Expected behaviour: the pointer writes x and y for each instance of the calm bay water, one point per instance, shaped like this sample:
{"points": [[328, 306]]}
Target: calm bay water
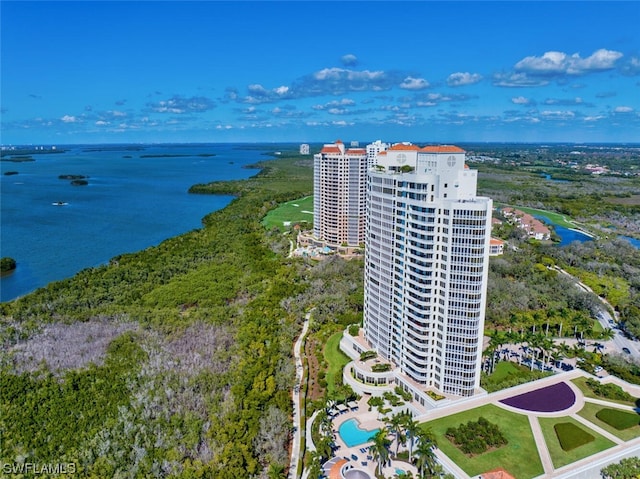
{"points": [[136, 197]]}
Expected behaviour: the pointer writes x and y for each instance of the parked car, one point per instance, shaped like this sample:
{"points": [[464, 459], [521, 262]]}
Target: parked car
{"points": [[626, 350]]}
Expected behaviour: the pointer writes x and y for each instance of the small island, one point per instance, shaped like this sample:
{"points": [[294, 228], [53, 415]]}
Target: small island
{"points": [[72, 177], [76, 180], [7, 265]]}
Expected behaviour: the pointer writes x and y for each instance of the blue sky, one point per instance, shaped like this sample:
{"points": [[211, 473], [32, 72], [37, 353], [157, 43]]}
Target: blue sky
{"points": [[95, 72]]}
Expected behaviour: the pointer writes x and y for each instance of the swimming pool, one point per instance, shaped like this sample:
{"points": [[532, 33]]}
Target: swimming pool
{"points": [[352, 435]]}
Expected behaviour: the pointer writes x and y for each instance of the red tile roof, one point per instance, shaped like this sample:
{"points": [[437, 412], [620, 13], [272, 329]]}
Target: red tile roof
{"points": [[330, 149], [497, 474], [442, 149], [403, 147]]}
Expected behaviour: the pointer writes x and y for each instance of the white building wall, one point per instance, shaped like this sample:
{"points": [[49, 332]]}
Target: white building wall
{"points": [[372, 151], [426, 268]]}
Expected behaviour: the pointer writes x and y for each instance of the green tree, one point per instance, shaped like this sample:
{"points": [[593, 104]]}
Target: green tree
{"points": [[412, 430], [380, 448], [396, 425], [628, 468], [425, 454], [7, 264]]}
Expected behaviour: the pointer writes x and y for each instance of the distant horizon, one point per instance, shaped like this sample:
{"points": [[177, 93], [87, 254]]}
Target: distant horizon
{"points": [[252, 71], [297, 143]]}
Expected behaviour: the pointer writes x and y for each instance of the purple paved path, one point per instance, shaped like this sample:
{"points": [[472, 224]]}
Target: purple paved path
{"points": [[548, 399]]}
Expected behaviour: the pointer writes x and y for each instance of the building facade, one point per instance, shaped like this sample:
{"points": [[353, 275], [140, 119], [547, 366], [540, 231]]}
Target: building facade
{"points": [[426, 266], [373, 150], [339, 189]]}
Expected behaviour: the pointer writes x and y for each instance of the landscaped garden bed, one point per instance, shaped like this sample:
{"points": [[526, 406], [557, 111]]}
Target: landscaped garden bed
{"points": [[619, 419], [572, 438], [591, 413], [593, 388], [476, 437], [557, 397]]}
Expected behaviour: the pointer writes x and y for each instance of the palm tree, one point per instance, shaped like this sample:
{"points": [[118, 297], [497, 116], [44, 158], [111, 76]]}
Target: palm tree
{"points": [[396, 427], [315, 465], [533, 342], [323, 447], [380, 448], [425, 455], [607, 334], [276, 471], [489, 353], [546, 346], [411, 430]]}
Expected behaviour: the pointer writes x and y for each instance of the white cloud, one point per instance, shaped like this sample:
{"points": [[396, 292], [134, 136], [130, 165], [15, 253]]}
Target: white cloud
{"points": [[514, 80], [426, 103], [69, 119], [623, 109], [632, 67], [341, 73], [558, 114], [463, 78], [559, 63], [349, 60], [411, 83], [179, 105], [102, 123], [520, 100], [335, 104]]}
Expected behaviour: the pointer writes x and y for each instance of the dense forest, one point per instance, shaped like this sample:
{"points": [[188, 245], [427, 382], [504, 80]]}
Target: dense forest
{"points": [[169, 362], [177, 361]]}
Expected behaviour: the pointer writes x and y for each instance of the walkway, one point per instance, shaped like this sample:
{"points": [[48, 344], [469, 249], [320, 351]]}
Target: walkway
{"points": [[298, 410]]}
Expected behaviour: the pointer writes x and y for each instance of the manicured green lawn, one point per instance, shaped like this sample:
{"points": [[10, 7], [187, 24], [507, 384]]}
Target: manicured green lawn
{"points": [[296, 211], [516, 429], [553, 217], [504, 369], [507, 374], [589, 412], [336, 361], [559, 457]]}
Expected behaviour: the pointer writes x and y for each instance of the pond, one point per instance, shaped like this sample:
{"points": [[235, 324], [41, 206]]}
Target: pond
{"points": [[634, 241], [567, 235]]}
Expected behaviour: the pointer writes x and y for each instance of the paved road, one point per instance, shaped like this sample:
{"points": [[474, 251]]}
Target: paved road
{"points": [[607, 321]]}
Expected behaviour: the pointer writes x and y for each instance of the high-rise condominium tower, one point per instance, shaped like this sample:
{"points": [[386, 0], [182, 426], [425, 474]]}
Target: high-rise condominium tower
{"points": [[339, 189], [426, 261]]}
